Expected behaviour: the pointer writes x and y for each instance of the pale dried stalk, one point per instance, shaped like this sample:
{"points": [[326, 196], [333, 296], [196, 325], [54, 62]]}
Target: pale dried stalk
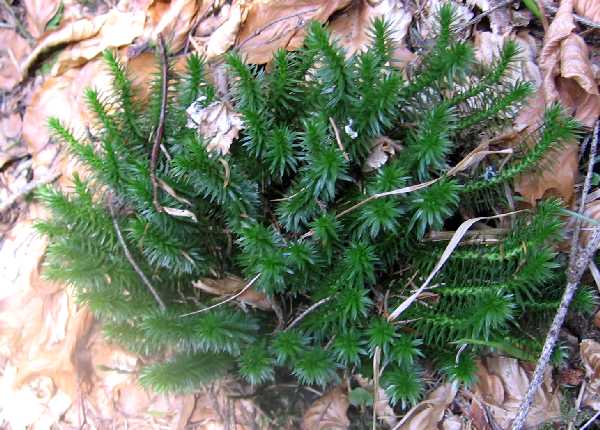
{"points": [[235, 296], [456, 238], [338, 139]]}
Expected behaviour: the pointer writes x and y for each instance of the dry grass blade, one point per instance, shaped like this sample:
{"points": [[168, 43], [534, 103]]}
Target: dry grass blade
{"points": [[235, 296], [456, 238]]}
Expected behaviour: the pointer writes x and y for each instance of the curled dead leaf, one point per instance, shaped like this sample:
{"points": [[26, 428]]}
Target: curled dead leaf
{"points": [[225, 35], [382, 148], [430, 412], [110, 30], [502, 385], [328, 412], [274, 24], [590, 356], [218, 124], [174, 20], [382, 408]]}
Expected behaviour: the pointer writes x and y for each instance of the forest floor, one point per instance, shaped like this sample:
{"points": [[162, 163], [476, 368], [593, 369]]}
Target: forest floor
{"points": [[56, 370]]}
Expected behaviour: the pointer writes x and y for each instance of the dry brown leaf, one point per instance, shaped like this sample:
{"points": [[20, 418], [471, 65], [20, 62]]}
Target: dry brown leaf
{"points": [[383, 410], [174, 20], [39, 12], [273, 24], [381, 149], [232, 285], [558, 180], [502, 385], [566, 67], [589, 9], [590, 356], [430, 412], [351, 27], [118, 29], [225, 35], [69, 33], [218, 124], [14, 50], [328, 412]]}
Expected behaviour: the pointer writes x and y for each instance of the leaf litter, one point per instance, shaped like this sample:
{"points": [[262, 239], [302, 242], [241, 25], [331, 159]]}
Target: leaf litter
{"points": [[56, 363]]}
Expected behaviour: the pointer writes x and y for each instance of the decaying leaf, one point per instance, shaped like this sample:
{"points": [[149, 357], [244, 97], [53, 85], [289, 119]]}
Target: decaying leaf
{"points": [[382, 408], [351, 27], [174, 20], [14, 50], [218, 124], [232, 285], [39, 12], [382, 148], [328, 412], [110, 30], [566, 67], [430, 412], [501, 386], [590, 356], [590, 9], [225, 35], [273, 24]]}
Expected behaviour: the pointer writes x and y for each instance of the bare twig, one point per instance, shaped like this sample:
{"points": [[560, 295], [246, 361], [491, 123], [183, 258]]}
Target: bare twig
{"points": [[577, 405], [486, 13], [235, 296], [376, 362], [161, 121], [579, 260], [307, 311], [131, 260], [27, 189], [590, 421], [338, 139], [553, 9]]}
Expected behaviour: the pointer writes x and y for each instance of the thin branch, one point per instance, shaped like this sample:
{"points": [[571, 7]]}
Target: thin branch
{"points": [[307, 311], [486, 13], [591, 421], [579, 260], [161, 121], [338, 139], [129, 257], [235, 296], [27, 189]]}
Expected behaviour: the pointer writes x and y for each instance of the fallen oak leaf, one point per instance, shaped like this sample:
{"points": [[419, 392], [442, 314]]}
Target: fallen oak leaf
{"points": [[430, 412], [118, 28], [328, 412], [274, 24]]}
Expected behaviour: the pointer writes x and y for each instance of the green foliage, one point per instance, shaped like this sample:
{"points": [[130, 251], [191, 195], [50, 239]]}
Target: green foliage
{"points": [[297, 209]]}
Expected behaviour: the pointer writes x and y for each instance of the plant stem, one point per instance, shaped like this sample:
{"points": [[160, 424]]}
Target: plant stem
{"points": [[161, 122]]}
